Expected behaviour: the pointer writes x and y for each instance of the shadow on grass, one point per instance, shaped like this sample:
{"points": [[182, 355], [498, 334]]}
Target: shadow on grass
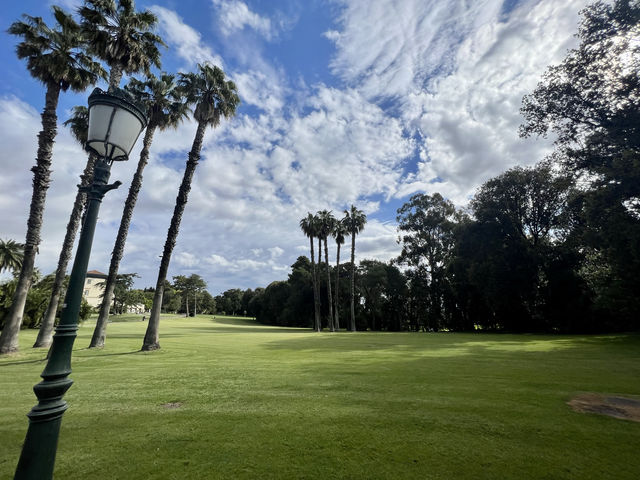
{"points": [[24, 362], [454, 344]]}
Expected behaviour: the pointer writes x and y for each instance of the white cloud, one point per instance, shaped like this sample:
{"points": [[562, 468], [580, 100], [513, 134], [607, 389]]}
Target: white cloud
{"points": [[184, 39], [457, 72], [234, 16]]}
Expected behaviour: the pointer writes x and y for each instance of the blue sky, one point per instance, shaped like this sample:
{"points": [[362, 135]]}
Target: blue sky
{"points": [[343, 101]]}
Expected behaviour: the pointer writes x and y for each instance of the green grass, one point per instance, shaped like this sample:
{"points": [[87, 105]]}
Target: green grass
{"points": [[263, 402]]}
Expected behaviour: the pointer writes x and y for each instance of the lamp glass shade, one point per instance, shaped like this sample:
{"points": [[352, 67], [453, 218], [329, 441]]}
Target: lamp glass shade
{"points": [[114, 125]]}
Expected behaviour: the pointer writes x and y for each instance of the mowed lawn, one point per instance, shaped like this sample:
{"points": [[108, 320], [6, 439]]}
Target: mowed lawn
{"points": [[228, 398]]}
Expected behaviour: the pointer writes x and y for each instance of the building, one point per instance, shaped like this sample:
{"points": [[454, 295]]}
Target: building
{"points": [[94, 287]]}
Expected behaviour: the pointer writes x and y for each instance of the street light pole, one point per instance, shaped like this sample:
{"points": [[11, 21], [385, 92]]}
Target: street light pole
{"points": [[39, 450]]}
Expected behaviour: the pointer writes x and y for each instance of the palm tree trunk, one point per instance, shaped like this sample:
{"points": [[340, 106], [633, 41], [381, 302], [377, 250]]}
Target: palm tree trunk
{"points": [[115, 75], [330, 301], [336, 314], [41, 179], [45, 334], [151, 338], [186, 304], [316, 296], [100, 331], [353, 281]]}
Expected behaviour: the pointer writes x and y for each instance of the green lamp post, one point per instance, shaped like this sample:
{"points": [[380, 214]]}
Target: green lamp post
{"points": [[115, 124]]}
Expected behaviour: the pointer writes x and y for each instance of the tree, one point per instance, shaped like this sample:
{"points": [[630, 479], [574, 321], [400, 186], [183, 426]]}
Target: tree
{"points": [[426, 223], [308, 225], [355, 221], [11, 254], [195, 284], [121, 37], [591, 101], [165, 108], [214, 98], [339, 233], [326, 223], [123, 284], [56, 57], [78, 123]]}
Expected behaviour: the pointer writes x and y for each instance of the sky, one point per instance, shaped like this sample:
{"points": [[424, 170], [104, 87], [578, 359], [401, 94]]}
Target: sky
{"points": [[362, 102]]}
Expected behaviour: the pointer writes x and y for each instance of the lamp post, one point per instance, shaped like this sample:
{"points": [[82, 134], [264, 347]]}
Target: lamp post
{"points": [[114, 126]]}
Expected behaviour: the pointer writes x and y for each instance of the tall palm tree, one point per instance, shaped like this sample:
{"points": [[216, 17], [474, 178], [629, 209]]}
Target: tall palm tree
{"points": [[339, 233], [308, 227], [11, 254], [354, 220], [326, 222], [78, 123], [165, 107], [120, 36], [56, 57], [213, 97]]}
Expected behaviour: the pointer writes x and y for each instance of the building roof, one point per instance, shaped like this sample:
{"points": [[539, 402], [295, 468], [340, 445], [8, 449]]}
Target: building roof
{"points": [[96, 273]]}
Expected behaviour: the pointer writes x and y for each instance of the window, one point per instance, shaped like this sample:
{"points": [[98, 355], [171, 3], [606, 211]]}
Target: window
{"points": [[86, 293], [88, 281]]}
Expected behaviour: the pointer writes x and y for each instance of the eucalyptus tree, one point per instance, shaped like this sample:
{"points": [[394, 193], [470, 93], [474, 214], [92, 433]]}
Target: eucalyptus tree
{"points": [[339, 233], [326, 223], [355, 221], [165, 108], [78, 123], [308, 226], [212, 97], [121, 37], [11, 254], [55, 56]]}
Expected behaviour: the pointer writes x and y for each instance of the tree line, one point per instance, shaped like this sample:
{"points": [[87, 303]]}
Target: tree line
{"points": [[73, 54]]}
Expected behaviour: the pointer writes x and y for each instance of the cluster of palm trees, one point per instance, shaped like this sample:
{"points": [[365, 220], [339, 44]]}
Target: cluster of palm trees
{"points": [[320, 226], [71, 55]]}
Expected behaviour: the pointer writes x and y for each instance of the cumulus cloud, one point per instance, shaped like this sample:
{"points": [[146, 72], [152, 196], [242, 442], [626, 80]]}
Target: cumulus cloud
{"points": [[234, 16], [186, 40]]}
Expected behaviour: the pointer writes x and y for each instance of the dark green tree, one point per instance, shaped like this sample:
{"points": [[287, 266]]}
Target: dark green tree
{"points": [[56, 57], [355, 221], [121, 36], [309, 227], [326, 223], [213, 97], [165, 108], [78, 123]]}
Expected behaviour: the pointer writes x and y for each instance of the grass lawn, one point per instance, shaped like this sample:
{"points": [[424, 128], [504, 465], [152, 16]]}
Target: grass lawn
{"points": [[262, 402]]}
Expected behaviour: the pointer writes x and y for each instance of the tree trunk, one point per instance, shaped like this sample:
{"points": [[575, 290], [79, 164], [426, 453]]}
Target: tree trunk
{"points": [[45, 334], [353, 281], [151, 338], [186, 303], [195, 306], [41, 179], [316, 296], [337, 300], [100, 331], [115, 75], [330, 301]]}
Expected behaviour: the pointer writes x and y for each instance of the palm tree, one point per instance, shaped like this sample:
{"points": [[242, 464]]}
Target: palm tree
{"points": [[339, 232], [308, 227], [326, 223], [55, 56], [214, 98], [121, 37], [165, 108], [354, 220], [11, 254], [78, 123]]}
